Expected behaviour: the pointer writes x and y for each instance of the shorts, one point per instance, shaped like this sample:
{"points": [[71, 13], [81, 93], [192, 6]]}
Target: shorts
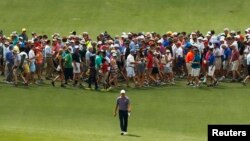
{"points": [[248, 69], [76, 69], [189, 68], [140, 70], [241, 60], [235, 65], [1, 61], [211, 70], [120, 64], [155, 70], [225, 65], [130, 71], [39, 67], [167, 69], [179, 62], [104, 78], [218, 63], [26, 68], [32, 67], [195, 72]]}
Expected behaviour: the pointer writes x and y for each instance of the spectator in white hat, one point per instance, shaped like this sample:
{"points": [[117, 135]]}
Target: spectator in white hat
{"points": [[24, 35], [217, 54], [248, 69], [168, 68], [76, 67], [211, 68], [196, 67], [234, 61], [130, 67]]}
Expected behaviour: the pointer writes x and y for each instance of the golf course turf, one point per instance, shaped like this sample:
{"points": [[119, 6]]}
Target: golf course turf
{"points": [[176, 113], [166, 113]]}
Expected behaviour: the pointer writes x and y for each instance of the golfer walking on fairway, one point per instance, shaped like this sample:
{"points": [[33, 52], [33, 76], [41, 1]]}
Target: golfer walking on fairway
{"points": [[123, 104]]}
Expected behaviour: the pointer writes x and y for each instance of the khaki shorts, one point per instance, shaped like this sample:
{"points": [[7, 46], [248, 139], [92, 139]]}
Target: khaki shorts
{"points": [[104, 78], [218, 63], [235, 65], [211, 70], [189, 68], [195, 72], [76, 69]]}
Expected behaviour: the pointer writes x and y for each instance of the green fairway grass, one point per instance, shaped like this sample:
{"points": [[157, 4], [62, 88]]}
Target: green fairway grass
{"points": [[116, 16], [176, 113], [170, 113]]}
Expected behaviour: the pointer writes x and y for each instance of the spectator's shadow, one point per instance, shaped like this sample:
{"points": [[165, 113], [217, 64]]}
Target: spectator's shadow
{"points": [[133, 135]]}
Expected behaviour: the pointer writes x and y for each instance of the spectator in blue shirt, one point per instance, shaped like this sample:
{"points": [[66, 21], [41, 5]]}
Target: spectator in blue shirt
{"points": [[196, 67], [211, 68], [9, 64], [225, 61]]}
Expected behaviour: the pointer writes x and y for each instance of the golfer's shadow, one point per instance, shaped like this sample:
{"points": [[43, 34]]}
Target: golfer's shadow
{"points": [[133, 135]]}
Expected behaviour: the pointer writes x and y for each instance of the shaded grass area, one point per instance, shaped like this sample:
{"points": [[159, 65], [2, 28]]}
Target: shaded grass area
{"points": [[169, 112]]}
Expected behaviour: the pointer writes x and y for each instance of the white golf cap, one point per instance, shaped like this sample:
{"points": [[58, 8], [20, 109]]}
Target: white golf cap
{"points": [[200, 38], [211, 46], [123, 92], [205, 39], [222, 38], [116, 45], [207, 35], [85, 33], [76, 47], [114, 54], [233, 32], [193, 33]]}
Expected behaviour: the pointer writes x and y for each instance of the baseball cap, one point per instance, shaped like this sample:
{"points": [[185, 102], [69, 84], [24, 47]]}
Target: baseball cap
{"points": [[188, 45], [23, 29], [116, 45], [76, 47], [169, 33], [85, 33], [114, 54], [233, 32], [200, 38], [132, 51], [15, 50], [211, 46], [123, 92]]}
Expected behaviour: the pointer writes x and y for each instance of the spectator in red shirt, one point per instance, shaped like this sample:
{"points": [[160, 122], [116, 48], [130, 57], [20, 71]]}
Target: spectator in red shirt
{"points": [[150, 66], [234, 61], [104, 73]]}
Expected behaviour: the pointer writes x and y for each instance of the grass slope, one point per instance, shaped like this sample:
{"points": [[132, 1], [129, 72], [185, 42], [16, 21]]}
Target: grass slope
{"points": [[116, 16], [178, 113]]}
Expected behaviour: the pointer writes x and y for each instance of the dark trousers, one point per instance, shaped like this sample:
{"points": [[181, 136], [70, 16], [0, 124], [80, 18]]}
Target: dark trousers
{"points": [[68, 73], [9, 72], [123, 116], [92, 78]]}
